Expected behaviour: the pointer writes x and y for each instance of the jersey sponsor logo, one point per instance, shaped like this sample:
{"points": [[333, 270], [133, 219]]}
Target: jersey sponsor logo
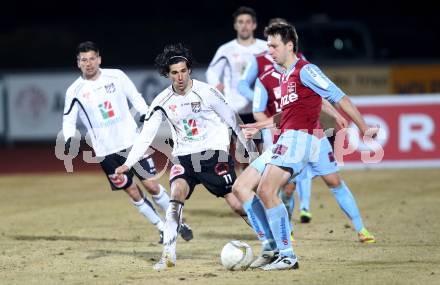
{"points": [[86, 95], [221, 168], [289, 98], [118, 182], [196, 107], [176, 170], [279, 149], [320, 79], [191, 129], [106, 110], [277, 102], [172, 108], [110, 88]]}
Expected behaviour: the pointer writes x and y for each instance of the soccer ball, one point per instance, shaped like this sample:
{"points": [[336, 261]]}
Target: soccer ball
{"points": [[236, 255]]}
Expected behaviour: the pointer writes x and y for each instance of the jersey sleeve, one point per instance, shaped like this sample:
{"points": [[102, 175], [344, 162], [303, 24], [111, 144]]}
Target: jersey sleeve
{"points": [[260, 97], [145, 138], [248, 79], [70, 115], [312, 77], [232, 119], [216, 67], [133, 94]]}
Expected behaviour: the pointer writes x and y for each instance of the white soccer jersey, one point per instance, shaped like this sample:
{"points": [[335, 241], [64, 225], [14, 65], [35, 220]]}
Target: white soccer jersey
{"points": [[230, 61], [197, 121], [103, 108]]}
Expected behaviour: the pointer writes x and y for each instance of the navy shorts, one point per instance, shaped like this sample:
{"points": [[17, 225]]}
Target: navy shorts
{"points": [[143, 169], [214, 169]]}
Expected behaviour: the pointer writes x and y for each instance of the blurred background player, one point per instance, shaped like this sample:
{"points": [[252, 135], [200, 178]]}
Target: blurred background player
{"points": [[196, 113], [260, 84], [99, 97], [230, 61]]}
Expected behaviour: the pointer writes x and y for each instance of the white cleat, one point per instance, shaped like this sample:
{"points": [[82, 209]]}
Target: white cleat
{"points": [[266, 257], [165, 262], [283, 263]]}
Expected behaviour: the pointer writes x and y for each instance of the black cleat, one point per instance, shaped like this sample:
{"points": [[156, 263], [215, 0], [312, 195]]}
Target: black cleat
{"points": [[186, 232], [160, 237]]}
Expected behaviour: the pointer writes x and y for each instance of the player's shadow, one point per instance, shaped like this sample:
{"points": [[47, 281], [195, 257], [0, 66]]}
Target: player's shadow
{"points": [[152, 256], [210, 213], [229, 236], [68, 238]]}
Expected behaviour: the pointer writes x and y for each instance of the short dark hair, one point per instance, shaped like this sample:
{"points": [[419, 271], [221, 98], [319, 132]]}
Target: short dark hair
{"points": [[245, 10], [172, 54], [87, 46], [287, 33], [277, 20]]}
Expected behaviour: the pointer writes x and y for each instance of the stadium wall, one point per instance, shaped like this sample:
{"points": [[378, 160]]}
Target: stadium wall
{"points": [[35, 102]]}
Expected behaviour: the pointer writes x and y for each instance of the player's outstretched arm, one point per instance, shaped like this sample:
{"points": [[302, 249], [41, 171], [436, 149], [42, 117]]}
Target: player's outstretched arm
{"points": [[142, 142], [347, 106], [225, 112], [328, 108]]}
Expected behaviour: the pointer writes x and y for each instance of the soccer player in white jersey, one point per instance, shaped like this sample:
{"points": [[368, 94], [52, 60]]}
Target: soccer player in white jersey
{"points": [[196, 113], [231, 59], [99, 97]]}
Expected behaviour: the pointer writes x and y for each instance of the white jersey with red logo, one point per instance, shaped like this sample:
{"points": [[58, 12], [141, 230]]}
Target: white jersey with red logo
{"points": [[103, 108], [197, 121]]}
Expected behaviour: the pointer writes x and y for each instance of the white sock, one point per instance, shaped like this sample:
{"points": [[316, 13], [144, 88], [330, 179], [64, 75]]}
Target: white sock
{"points": [[172, 222], [148, 211], [162, 199]]}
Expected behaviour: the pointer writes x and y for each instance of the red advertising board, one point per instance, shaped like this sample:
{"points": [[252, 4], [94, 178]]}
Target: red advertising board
{"points": [[409, 135]]}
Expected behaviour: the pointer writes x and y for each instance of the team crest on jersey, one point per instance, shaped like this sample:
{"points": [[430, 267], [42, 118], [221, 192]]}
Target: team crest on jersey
{"points": [[176, 170], [291, 87], [195, 106], [110, 88], [221, 168]]}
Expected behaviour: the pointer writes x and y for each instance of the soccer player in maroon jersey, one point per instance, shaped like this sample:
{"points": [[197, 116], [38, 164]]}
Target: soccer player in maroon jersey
{"points": [[303, 86]]}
